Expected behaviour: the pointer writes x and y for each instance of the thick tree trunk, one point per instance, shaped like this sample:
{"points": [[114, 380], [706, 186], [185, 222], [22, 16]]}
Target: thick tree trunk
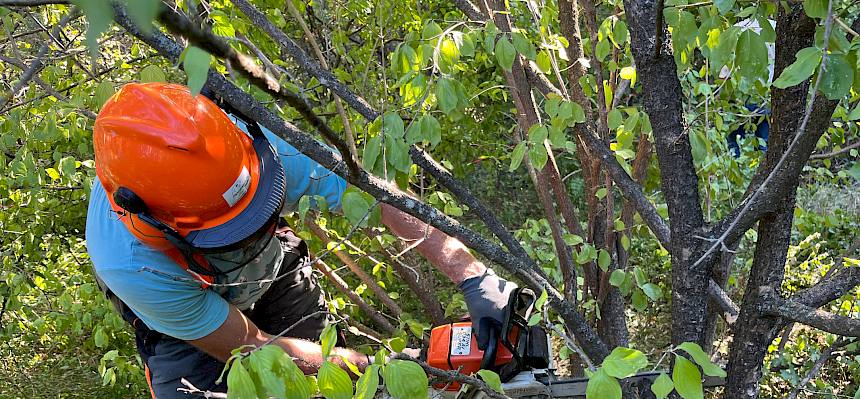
{"points": [[662, 95], [754, 331]]}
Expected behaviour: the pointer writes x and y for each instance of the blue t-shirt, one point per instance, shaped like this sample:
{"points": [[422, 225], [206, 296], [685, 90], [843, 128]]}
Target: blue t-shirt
{"points": [[156, 288]]}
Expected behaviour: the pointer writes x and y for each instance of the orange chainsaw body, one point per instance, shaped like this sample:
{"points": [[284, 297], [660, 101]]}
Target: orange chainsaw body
{"points": [[454, 347]]}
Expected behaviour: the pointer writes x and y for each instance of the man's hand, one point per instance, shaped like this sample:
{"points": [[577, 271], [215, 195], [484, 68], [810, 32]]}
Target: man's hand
{"points": [[487, 298]]}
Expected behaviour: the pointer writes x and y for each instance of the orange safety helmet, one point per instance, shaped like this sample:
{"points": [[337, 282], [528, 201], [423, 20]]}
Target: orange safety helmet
{"points": [[185, 165]]}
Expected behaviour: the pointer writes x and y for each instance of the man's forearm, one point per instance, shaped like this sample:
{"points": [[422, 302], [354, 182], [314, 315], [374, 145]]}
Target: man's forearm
{"points": [[446, 253], [308, 355]]}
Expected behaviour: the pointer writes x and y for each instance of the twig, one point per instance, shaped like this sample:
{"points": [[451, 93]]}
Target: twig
{"points": [[841, 151], [191, 389], [451, 375]]}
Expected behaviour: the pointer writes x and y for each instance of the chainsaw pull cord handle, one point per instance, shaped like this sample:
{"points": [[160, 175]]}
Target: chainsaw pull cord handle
{"points": [[488, 362]]}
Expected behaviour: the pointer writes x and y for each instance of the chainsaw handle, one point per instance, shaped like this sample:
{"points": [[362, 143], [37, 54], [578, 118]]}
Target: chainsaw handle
{"points": [[488, 361]]}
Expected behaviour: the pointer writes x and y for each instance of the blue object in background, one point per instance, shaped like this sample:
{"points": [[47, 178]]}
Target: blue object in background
{"points": [[761, 131]]}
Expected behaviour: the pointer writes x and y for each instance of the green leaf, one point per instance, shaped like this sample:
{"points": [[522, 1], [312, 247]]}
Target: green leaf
{"points": [[505, 53], [617, 277], [538, 156], [492, 379], [614, 119], [142, 12], [724, 52], [102, 93], [624, 362], [431, 31], [447, 55], [653, 291], [397, 344], [371, 152], [806, 61], [602, 386], [431, 130], [152, 73], [534, 319], [855, 114], [541, 300], [751, 55], [328, 337], [620, 32], [537, 134], [815, 8], [100, 338], [296, 384], [543, 62], [392, 125], [662, 386], [261, 365], [367, 385], [517, 156], [355, 207], [239, 383], [405, 380], [702, 359], [196, 65], [67, 166], [602, 49], [838, 77], [724, 5], [334, 382], [687, 379], [446, 95], [639, 300], [524, 46], [603, 259], [855, 171], [99, 16]]}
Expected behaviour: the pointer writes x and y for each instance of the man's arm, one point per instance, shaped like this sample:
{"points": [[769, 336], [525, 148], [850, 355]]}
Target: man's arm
{"points": [[448, 254], [238, 330]]}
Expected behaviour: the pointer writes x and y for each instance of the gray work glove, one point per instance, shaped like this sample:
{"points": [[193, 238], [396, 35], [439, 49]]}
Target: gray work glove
{"points": [[487, 299]]}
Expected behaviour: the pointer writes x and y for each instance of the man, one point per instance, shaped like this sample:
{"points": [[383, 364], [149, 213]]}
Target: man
{"points": [[185, 234], [759, 114]]}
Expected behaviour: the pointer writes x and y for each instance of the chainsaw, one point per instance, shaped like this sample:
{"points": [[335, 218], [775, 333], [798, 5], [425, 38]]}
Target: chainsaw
{"points": [[520, 354]]}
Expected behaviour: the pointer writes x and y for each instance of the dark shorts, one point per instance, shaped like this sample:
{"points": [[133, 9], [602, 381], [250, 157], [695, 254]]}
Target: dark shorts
{"points": [[288, 300]]}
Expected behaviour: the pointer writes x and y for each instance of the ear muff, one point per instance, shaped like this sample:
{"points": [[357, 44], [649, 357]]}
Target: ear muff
{"points": [[132, 203]]}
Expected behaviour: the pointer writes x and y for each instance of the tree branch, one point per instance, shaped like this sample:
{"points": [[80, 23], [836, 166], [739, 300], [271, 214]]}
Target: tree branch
{"points": [[813, 317], [720, 297]]}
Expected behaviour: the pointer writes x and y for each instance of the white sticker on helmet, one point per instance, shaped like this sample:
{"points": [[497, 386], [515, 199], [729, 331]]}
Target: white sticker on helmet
{"points": [[239, 188]]}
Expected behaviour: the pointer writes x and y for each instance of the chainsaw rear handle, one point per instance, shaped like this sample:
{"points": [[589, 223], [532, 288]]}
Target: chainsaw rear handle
{"points": [[488, 361]]}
